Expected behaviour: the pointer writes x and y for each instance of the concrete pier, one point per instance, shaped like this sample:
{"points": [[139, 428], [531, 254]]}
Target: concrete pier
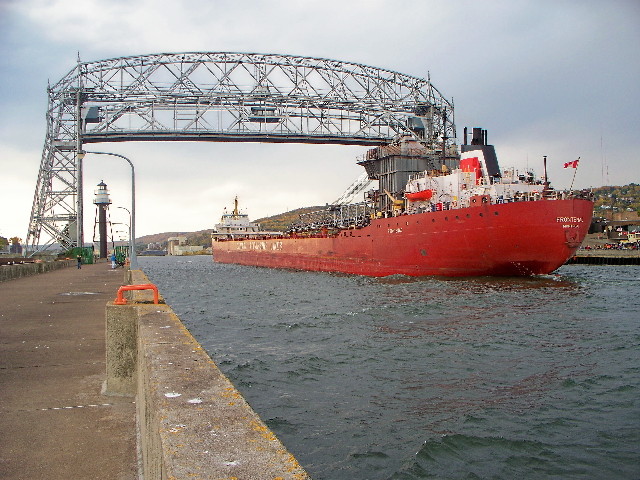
{"points": [[77, 372], [55, 423], [605, 257], [194, 424]]}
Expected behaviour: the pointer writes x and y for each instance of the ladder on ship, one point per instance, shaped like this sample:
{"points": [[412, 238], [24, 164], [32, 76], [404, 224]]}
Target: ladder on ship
{"points": [[357, 188]]}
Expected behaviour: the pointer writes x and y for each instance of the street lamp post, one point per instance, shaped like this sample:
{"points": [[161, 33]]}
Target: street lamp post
{"points": [[123, 232], [133, 258]]}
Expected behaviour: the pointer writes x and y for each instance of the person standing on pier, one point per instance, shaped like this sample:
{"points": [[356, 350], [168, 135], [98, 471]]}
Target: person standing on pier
{"points": [[79, 258], [113, 260]]}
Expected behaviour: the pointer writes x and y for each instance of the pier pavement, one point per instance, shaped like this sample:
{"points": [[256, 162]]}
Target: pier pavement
{"points": [[54, 421]]}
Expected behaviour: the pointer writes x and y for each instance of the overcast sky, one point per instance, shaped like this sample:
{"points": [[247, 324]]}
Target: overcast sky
{"points": [[556, 78]]}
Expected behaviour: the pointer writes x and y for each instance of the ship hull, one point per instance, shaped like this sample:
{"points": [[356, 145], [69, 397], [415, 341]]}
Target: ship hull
{"points": [[510, 239]]}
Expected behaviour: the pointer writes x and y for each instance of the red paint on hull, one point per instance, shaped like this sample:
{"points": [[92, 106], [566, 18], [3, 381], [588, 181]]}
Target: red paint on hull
{"points": [[511, 239]]}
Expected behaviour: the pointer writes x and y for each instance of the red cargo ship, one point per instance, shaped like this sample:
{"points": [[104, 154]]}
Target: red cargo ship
{"points": [[466, 218]]}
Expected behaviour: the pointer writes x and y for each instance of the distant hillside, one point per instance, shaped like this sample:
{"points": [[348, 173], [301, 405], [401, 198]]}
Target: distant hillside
{"points": [[201, 237], [281, 221], [617, 199], [159, 237]]}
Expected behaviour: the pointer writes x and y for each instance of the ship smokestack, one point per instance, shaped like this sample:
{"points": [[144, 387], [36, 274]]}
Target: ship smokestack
{"points": [[478, 136], [546, 179], [479, 143]]}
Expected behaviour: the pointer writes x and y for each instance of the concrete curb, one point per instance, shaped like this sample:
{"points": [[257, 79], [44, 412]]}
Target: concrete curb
{"points": [[9, 272]]}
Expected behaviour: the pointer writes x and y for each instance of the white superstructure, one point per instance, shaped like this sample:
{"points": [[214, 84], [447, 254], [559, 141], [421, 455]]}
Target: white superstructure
{"points": [[237, 224]]}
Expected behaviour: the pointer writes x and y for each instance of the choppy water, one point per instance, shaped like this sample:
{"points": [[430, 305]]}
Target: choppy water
{"points": [[401, 378]]}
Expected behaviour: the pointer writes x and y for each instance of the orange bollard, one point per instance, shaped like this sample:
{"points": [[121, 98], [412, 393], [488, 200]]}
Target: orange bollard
{"points": [[120, 300]]}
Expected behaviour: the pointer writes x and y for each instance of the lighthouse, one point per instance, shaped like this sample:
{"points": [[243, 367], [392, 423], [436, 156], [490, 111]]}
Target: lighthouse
{"points": [[102, 202]]}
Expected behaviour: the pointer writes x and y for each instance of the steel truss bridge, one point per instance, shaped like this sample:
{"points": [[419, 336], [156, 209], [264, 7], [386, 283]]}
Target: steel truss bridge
{"points": [[219, 97]]}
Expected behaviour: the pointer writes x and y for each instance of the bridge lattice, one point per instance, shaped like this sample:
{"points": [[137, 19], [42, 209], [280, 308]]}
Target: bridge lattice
{"points": [[219, 97]]}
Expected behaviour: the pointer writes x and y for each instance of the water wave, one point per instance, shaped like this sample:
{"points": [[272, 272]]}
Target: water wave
{"points": [[403, 378]]}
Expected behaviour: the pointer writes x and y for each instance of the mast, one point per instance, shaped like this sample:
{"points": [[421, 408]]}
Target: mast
{"points": [[235, 208]]}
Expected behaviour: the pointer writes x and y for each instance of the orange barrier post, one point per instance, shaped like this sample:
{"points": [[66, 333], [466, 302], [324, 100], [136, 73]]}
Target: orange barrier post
{"points": [[120, 300]]}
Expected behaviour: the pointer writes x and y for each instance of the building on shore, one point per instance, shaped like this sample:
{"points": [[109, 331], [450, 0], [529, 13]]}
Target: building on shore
{"points": [[178, 246]]}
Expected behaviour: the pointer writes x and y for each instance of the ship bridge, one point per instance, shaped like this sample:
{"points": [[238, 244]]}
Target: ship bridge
{"points": [[220, 97]]}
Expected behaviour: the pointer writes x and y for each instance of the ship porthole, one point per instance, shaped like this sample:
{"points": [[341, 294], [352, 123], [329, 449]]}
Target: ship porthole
{"points": [[423, 252]]}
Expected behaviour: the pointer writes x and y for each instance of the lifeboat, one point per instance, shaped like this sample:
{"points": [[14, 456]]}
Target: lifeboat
{"points": [[420, 196]]}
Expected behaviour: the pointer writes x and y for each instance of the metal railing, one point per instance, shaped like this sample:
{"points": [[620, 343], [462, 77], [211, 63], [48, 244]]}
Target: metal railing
{"points": [[335, 217]]}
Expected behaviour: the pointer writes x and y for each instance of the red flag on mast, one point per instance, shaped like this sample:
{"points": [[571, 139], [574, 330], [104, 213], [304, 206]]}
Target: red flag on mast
{"points": [[573, 164]]}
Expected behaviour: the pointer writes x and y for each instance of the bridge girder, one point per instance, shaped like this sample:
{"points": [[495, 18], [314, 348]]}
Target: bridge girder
{"points": [[218, 96]]}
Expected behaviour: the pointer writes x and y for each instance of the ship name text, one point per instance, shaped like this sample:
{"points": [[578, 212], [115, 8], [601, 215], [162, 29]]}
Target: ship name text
{"points": [[569, 220], [259, 245]]}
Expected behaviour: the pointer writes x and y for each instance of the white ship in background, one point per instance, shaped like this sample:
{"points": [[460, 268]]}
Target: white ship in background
{"points": [[236, 225]]}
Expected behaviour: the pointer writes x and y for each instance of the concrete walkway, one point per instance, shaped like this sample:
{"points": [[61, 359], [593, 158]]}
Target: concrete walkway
{"points": [[54, 422]]}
